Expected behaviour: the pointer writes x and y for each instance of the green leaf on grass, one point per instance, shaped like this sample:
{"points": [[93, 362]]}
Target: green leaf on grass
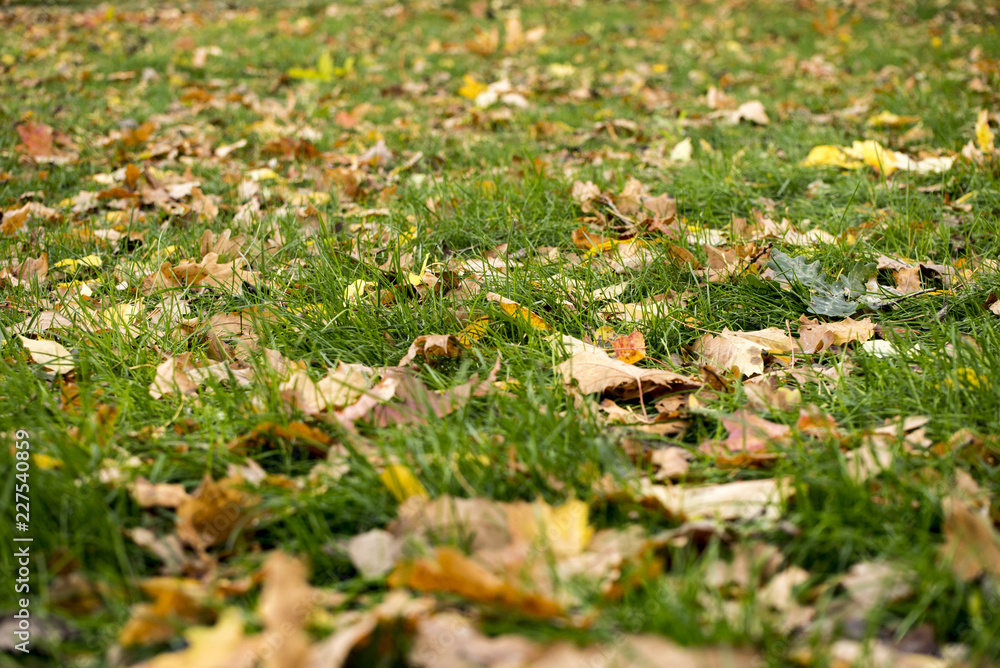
{"points": [[825, 298]]}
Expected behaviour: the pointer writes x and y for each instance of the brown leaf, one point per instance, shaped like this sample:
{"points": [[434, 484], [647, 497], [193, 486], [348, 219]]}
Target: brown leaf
{"points": [[815, 336], [872, 584], [374, 553], [213, 512], [416, 401], [14, 219], [448, 570], [432, 345], [670, 463], [908, 280], [148, 494], [28, 272], [747, 433], [37, 138], [596, 372], [285, 603], [972, 545]]}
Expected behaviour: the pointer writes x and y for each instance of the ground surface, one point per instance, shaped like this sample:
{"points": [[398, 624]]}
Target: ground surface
{"points": [[453, 333]]}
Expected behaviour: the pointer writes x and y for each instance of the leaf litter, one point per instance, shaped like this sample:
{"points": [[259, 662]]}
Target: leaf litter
{"points": [[203, 234]]}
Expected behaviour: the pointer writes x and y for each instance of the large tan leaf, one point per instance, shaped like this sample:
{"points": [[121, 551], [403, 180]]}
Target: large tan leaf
{"points": [[815, 336], [284, 605], [50, 354], [744, 499], [450, 640], [596, 372], [972, 545], [729, 351]]}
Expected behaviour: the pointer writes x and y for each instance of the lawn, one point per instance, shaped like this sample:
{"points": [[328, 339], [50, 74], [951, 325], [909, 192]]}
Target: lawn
{"points": [[481, 334]]}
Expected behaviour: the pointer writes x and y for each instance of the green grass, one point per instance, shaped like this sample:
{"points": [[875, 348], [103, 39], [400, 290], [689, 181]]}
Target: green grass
{"points": [[475, 189]]}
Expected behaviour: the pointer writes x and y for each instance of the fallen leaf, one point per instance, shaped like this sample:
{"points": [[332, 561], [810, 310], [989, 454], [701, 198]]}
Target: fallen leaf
{"points": [[374, 553], [432, 345], [631, 348], [984, 136], [729, 351], [401, 482], [815, 336], [745, 499], [747, 433], [213, 512], [972, 545], [872, 584], [518, 312], [224, 644], [448, 570], [596, 372], [670, 463], [167, 495], [50, 354]]}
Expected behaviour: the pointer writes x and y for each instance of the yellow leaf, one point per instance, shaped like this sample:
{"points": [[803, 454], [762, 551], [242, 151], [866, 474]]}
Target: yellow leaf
{"points": [[262, 174], [984, 136], [471, 88], [568, 529], [401, 482], [518, 312], [473, 331], [70, 264], [823, 156], [876, 156], [887, 119], [46, 462], [324, 65], [355, 290], [968, 378]]}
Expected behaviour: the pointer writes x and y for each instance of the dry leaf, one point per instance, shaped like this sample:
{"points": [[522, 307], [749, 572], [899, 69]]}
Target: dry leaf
{"points": [[747, 433], [373, 553], [148, 495], [631, 348], [518, 312], [213, 512], [815, 336], [448, 570], [432, 345], [50, 354], [596, 372], [730, 351], [670, 463], [972, 545], [212, 647], [744, 500]]}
